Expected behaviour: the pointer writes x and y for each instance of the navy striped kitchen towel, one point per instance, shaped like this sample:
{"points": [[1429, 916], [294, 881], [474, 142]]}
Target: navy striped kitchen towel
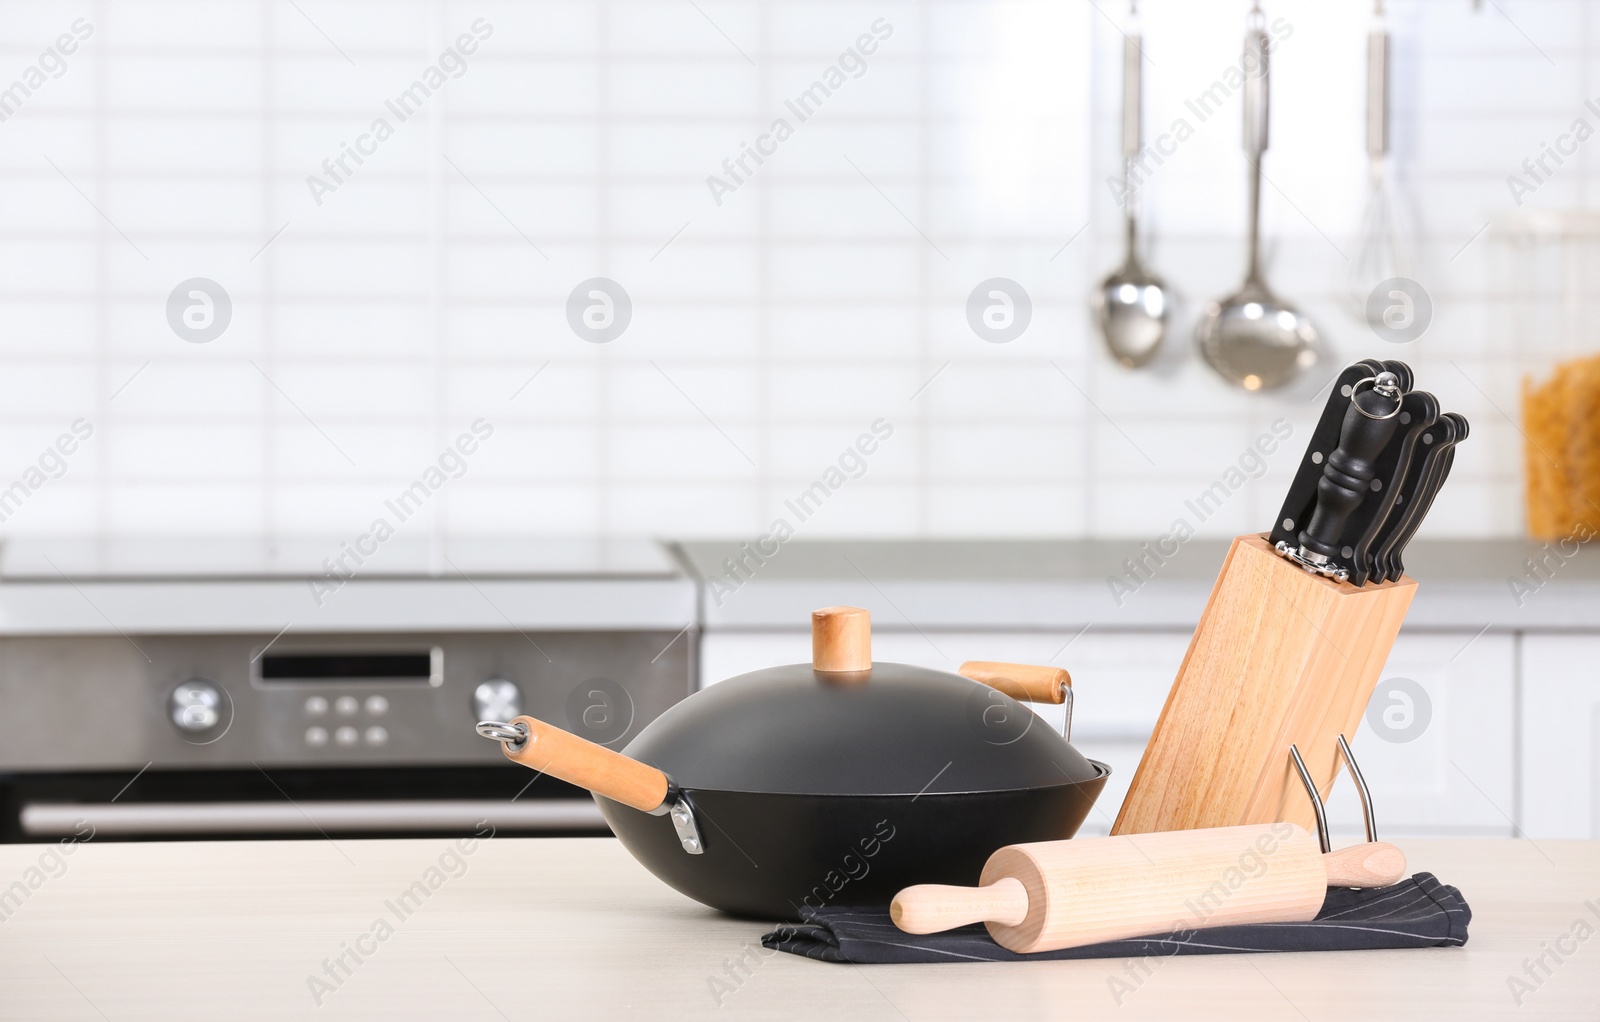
{"points": [[1419, 912]]}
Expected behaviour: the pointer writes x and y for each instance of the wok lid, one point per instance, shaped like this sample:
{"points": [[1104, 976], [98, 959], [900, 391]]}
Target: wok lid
{"points": [[872, 729]]}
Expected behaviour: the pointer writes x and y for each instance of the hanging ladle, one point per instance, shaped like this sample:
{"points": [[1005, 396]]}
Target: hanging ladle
{"points": [[1253, 338]]}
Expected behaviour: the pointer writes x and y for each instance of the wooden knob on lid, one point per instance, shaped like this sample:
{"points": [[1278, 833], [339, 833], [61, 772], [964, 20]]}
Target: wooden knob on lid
{"points": [[841, 639]]}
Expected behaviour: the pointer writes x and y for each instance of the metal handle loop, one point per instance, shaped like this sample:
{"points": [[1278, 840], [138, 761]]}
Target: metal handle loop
{"points": [[1389, 388], [514, 736]]}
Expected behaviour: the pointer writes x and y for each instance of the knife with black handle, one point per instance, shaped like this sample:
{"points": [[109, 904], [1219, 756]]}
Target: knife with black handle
{"points": [[1419, 410], [1407, 490], [1369, 424], [1397, 558], [1451, 429], [1409, 494], [1301, 497]]}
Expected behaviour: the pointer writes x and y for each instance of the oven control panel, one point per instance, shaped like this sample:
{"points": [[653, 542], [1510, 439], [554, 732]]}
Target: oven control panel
{"points": [[325, 700], [353, 720]]}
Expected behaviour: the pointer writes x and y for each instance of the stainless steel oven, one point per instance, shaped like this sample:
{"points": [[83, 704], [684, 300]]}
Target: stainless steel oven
{"points": [[171, 691]]}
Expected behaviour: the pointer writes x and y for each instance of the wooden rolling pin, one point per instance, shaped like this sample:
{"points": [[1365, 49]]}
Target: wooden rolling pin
{"points": [[1058, 894]]}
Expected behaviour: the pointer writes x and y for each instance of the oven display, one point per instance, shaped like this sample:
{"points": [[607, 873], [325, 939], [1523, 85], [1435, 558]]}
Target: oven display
{"points": [[389, 666]]}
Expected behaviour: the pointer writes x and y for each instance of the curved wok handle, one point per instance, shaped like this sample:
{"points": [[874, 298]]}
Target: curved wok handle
{"points": [[1021, 681], [579, 761]]}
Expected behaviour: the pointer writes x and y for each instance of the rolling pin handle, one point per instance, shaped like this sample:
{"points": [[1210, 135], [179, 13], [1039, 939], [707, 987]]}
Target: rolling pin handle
{"points": [[934, 908], [1373, 864]]}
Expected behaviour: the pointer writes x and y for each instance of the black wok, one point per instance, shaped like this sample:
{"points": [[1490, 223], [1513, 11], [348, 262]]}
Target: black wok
{"points": [[798, 787]]}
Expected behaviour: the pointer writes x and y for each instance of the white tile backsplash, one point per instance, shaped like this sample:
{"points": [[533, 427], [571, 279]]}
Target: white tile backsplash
{"points": [[824, 292]]}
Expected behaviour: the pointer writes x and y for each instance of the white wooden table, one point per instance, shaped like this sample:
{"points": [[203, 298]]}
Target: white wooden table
{"points": [[543, 929]]}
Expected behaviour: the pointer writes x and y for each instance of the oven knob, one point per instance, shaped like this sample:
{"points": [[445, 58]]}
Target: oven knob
{"points": [[195, 705], [497, 699]]}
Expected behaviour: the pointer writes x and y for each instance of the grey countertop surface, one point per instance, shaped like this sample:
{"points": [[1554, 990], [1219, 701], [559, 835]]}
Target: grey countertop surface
{"points": [[65, 585], [1047, 584], [995, 585]]}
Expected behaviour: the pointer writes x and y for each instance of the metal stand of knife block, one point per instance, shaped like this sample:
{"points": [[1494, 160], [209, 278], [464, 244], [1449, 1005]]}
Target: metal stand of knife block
{"points": [[1281, 657]]}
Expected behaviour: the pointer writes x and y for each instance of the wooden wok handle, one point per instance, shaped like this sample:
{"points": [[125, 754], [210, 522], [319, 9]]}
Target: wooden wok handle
{"points": [[1021, 681], [1374, 864], [579, 761], [934, 908]]}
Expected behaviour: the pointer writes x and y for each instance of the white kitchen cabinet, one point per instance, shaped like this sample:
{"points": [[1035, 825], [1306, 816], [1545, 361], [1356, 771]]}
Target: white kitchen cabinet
{"points": [[1561, 736], [1442, 760], [724, 655]]}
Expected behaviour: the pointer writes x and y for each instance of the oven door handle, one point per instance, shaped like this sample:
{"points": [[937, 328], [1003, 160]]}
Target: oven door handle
{"points": [[140, 819]]}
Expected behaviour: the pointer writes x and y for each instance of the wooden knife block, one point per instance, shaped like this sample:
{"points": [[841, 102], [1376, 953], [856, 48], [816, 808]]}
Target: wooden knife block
{"points": [[1280, 656]]}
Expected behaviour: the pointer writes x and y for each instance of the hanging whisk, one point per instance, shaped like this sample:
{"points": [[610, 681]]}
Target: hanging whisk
{"points": [[1382, 250]]}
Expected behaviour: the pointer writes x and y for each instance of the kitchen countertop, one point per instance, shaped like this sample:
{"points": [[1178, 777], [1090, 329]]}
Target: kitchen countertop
{"points": [[1050, 584], [574, 928], [155, 585], [163, 587]]}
